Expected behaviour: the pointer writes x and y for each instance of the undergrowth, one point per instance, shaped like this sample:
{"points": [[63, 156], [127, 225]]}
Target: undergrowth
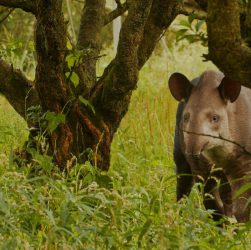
{"points": [[130, 207]]}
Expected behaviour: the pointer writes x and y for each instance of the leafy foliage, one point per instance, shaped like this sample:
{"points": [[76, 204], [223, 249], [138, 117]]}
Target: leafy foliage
{"points": [[73, 59], [192, 30], [53, 120], [131, 207], [87, 103]]}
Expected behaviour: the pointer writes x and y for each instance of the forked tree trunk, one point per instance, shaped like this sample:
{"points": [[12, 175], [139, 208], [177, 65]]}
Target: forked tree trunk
{"points": [[94, 108], [87, 135]]}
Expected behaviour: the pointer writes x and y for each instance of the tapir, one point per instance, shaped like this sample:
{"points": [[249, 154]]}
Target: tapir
{"points": [[212, 142]]}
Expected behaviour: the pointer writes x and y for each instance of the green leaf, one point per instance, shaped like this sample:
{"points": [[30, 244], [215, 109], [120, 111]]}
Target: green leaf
{"points": [[243, 189], [87, 103], [191, 17], [185, 23], [74, 78], [104, 181], [68, 45], [191, 38], [70, 59], [54, 120], [199, 24], [180, 33], [144, 230]]}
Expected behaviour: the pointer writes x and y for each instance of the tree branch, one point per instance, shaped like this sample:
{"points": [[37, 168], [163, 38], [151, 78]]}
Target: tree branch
{"points": [[188, 9], [26, 5], [121, 9], [89, 41], [202, 4], [113, 92], [162, 14], [50, 40], [91, 23], [17, 89], [226, 48], [7, 15], [195, 5], [245, 19], [243, 148]]}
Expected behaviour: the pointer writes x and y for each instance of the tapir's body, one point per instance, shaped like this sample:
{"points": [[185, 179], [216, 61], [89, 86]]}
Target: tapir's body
{"points": [[213, 141]]}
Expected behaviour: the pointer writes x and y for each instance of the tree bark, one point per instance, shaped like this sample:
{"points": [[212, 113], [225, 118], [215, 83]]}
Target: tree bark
{"points": [[50, 79], [161, 16], [18, 90], [26, 5], [112, 94], [84, 134], [226, 47], [89, 42]]}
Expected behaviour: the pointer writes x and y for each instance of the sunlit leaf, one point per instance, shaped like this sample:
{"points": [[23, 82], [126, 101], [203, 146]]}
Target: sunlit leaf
{"points": [[191, 17], [54, 120], [199, 24], [242, 190], [87, 103], [73, 77]]}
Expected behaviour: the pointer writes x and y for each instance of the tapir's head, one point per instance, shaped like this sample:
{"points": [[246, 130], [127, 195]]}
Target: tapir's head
{"points": [[209, 101]]}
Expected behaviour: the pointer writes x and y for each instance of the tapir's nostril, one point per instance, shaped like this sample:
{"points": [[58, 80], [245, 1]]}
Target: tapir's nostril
{"points": [[197, 152], [193, 155], [196, 156]]}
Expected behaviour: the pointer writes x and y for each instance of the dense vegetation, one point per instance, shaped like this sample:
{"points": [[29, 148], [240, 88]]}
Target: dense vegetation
{"points": [[133, 205], [130, 207]]}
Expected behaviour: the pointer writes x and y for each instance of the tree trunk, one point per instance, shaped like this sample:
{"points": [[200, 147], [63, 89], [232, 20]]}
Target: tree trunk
{"points": [[227, 49], [93, 108]]}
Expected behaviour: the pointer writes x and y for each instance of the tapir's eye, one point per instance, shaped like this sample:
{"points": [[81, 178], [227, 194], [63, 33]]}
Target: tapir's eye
{"points": [[215, 118], [186, 117]]}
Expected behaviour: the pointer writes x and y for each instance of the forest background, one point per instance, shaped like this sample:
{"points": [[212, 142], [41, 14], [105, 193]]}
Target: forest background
{"points": [[133, 205]]}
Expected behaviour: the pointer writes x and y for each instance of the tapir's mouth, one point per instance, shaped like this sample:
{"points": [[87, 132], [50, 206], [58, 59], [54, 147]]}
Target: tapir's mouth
{"points": [[198, 152]]}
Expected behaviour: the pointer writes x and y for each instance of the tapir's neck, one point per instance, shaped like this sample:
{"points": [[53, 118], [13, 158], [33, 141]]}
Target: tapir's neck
{"points": [[239, 116]]}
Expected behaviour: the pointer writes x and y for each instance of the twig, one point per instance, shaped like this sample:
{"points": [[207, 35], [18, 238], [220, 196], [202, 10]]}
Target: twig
{"points": [[199, 16], [26, 5], [190, 7], [119, 4], [221, 138], [122, 8], [80, 1], [7, 15]]}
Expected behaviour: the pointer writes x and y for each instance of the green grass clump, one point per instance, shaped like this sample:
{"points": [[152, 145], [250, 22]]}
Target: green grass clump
{"points": [[131, 207], [82, 210]]}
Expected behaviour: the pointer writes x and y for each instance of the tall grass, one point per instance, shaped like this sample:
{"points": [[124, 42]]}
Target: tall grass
{"points": [[131, 207]]}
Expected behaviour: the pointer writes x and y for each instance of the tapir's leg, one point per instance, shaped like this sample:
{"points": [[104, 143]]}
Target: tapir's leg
{"points": [[212, 199], [239, 174], [183, 170], [226, 195], [241, 204], [184, 176], [210, 178], [218, 197]]}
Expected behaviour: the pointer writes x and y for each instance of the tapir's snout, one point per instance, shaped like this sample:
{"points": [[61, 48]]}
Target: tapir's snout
{"points": [[195, 145]]}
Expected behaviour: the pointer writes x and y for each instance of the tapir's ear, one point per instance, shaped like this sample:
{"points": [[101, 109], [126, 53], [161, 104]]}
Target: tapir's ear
{"points": [[179, 86], [229, 89]]}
